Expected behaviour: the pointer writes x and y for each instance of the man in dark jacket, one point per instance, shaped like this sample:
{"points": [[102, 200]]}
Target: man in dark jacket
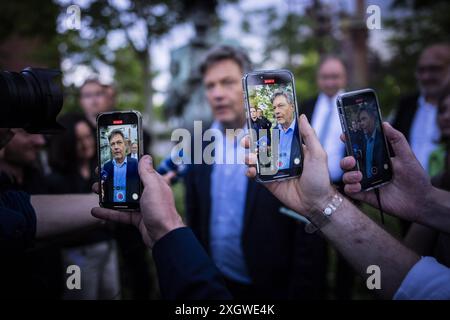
{"points": [[260, 252]]}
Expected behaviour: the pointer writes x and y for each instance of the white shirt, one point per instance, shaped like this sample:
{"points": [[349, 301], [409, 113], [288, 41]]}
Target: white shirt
{"points": [[332, 144], [424, 132], [427, 279]]}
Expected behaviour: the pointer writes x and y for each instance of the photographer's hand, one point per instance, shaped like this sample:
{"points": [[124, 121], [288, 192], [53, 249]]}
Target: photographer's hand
{"points": [[410, 194], [361, 241], [158, 215], [313, 187]]}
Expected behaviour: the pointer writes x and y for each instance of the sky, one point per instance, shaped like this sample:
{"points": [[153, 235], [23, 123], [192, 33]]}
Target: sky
{"points": [[232, 17]]}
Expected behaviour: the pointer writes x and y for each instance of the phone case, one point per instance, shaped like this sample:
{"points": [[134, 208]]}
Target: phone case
{"points": [[345, 130], [247, 113], [141, 138]]}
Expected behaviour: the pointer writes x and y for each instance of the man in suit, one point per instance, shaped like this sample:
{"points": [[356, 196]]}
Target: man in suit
{"points": [[260, 252], [258, 124], [322, 112], [120, 178], [416, 114], [372, 144], [265, 124], [289, 143]]}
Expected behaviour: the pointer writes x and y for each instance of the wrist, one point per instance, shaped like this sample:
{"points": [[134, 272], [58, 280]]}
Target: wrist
{"points": [[429, 207], [319, 202], [172, 222], [319, 216]]}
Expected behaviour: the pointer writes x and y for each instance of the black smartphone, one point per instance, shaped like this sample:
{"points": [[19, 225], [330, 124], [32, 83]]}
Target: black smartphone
{"points": [[119, 144], [272, 119], [361, 122]]}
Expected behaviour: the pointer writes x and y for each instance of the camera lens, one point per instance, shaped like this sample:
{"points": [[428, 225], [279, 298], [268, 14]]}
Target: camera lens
{"points": [[30, 99]]}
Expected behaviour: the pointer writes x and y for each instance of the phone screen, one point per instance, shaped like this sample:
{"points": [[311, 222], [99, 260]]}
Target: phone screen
{"points": [[366, 137], [273, 123], [119, 152]]}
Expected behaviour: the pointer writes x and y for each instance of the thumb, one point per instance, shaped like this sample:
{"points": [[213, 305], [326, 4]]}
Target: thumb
{"points": [[309, 137], [146, 170], [398, 142]]}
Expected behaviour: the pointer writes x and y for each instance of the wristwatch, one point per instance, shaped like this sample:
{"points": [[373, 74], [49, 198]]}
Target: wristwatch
{"points": [[319, 217]]}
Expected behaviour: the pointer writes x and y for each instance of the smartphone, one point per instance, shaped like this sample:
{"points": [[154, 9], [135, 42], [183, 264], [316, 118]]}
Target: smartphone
{"points": [[361, 122], [272, 119], [119, 141]]}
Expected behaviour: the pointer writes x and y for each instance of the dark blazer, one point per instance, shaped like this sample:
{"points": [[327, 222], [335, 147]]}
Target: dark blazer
{"points": [[405, 113], [132, 179], [378, 158], [307, 107], [185, 271], [283, 260]]}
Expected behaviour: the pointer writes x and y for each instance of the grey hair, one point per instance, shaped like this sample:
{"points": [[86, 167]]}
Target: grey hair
{"points": [[114, 133], [280, 92]]}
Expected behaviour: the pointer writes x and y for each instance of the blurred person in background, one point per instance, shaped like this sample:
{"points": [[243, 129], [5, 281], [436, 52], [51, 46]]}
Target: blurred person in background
{"points": [[260, 252], [21, 170], [72, 158], [416, 114], [422, 239]]}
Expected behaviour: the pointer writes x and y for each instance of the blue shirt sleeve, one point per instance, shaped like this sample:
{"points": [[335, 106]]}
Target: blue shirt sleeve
{"points": [[427, 280]]}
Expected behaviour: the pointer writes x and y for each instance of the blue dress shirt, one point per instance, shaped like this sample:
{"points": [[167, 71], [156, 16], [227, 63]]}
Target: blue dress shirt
{"points": [[228, 197], [285, 145], [120, 181]]}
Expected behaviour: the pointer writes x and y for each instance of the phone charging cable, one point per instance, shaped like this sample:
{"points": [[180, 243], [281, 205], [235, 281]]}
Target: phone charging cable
{"points": [[377, 194]]}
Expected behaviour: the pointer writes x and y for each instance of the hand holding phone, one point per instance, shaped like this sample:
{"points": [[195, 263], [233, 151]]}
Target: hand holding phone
{"points": [[361, 123], [119, 141], [272, 118]]}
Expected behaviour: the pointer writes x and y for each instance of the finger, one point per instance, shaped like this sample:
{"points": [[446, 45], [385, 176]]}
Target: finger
{"points": [[309, 136], [112, 215], [352, 189], [168, 176], [342, 137], [398, 142], [348, 163], [352, 177], [250, 159], [251, 172], [146, 170], [245, 142], [95, 187]]}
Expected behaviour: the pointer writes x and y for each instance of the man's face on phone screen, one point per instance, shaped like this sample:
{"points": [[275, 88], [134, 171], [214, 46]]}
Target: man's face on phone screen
{"points": [[117, 145]]}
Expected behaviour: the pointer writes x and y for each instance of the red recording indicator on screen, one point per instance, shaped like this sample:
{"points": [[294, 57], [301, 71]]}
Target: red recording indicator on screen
{"points": [[117, 121], [267, 81]]}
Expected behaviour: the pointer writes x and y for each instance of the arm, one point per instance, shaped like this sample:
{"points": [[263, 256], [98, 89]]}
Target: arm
{"points": [[184, 269], [58, 214], [180, 259], [361, 241]]}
